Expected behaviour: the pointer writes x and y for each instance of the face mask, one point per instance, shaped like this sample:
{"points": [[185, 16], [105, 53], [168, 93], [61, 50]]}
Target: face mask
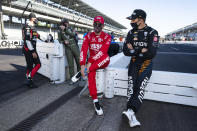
{"points": [[97, 27], [35, 21], [134, 25]]}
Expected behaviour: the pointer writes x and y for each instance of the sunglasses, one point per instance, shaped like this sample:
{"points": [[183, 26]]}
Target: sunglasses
{"points": [[96, 24]]}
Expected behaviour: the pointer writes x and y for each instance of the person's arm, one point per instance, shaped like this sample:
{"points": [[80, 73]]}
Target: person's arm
{"points": [[103, 50], [84, 50], [153, 42], [128, 50], [70, 32], [27, 33]]}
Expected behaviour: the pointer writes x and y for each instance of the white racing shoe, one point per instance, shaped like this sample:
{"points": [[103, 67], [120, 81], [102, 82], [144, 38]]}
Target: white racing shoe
{"points": [[129, 115], [76, 77], [98, 108]]}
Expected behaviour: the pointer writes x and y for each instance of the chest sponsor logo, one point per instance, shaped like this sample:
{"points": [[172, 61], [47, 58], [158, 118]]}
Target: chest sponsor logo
{"points": [[100, 40], [144, 44], [93, 40], [135, 34], [95, 46]]}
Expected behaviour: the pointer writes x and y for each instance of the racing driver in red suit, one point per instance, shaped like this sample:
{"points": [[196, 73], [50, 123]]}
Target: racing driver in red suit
{"points": [[98, 43]]}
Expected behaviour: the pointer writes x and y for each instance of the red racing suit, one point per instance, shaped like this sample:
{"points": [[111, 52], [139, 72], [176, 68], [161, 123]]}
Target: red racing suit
{"points": [[98, 46]]}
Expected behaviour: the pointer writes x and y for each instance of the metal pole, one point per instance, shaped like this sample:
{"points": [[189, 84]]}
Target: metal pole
{"points": [[3, 35]]}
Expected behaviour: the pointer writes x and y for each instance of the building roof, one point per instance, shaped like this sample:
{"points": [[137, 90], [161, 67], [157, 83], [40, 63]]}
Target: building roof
{"points": [[85, 9], [188, 27]]}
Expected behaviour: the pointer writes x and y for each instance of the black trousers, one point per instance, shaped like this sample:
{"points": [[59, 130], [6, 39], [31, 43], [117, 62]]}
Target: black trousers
{"points": [[33, 64], [139, 72]]}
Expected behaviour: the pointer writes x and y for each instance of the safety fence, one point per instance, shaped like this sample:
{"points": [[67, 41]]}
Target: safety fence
{"points": [[172, 87]]}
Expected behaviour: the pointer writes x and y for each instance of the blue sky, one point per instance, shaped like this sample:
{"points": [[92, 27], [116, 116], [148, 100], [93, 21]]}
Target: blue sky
{"points": [[163, 15]]}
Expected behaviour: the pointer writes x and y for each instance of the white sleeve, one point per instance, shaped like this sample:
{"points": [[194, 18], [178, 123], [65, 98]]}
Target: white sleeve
{"points": [[29, 45]]}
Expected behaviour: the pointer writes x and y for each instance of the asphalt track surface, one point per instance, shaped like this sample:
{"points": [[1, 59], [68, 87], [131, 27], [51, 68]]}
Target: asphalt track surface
{"points": [[12, 73], [154, 116], [176, 58]]}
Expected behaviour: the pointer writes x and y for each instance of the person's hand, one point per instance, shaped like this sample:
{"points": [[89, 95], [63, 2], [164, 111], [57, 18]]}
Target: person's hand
{"points": [[144, 50], [83, 71], [88, 67], [34, 55], [130, 46], [62, 27], [66, 42]]}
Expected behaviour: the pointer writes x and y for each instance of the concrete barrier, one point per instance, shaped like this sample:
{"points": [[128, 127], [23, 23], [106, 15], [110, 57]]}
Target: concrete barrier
{"points": [[52, 57]]}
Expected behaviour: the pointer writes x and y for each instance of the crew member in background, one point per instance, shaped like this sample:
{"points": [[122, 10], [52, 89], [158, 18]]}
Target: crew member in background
{"points": [[141, 44], [98, 43], [112, 36], [67, 36], [30, 36]]}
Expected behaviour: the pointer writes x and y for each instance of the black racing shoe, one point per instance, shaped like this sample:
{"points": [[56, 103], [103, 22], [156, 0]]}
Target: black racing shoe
{"points": [[76, 77], [30, 83], [98, 108]]}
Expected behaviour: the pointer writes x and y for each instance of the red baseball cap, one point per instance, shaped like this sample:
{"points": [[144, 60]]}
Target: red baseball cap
{"points": [[99, 19]]}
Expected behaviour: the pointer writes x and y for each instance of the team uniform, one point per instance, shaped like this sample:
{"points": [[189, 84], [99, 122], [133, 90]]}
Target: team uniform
{"points": [[140, 67], [30, 36], [71, 49], [98, 48]]}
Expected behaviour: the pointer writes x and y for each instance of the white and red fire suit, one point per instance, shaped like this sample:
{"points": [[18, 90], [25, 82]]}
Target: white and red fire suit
{"points": [[98, 47]]}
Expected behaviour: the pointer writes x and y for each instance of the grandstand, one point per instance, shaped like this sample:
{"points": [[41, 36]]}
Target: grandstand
{"points": [[187, 33], [49, 13]]}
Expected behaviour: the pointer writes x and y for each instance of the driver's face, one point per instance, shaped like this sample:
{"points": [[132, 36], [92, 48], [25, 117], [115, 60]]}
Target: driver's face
{"points": [[33, 19]]}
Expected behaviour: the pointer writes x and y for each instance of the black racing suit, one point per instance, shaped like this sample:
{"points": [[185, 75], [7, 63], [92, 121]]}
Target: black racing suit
{"points": [[140, 67], [30, 36]]}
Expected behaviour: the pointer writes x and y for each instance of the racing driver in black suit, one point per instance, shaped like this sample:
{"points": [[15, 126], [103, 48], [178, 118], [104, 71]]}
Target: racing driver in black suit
{"points": [[141, 44]]}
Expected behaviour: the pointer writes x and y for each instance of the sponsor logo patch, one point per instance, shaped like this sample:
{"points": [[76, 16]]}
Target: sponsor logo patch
{"points": [[155, 39]]}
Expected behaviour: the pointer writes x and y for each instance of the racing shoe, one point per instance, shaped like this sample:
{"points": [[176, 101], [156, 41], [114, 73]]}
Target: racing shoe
{"points": [[30, 83], [76, 77], [129, 116], [98, 108]]}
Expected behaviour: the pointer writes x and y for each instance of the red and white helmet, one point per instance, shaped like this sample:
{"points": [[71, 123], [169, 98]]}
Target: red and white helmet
{"points": [[99, 19]]}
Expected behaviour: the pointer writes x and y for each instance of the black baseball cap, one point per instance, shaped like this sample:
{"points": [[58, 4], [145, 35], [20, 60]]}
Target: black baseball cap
{"points": [[32, 15], [137, 13]]}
